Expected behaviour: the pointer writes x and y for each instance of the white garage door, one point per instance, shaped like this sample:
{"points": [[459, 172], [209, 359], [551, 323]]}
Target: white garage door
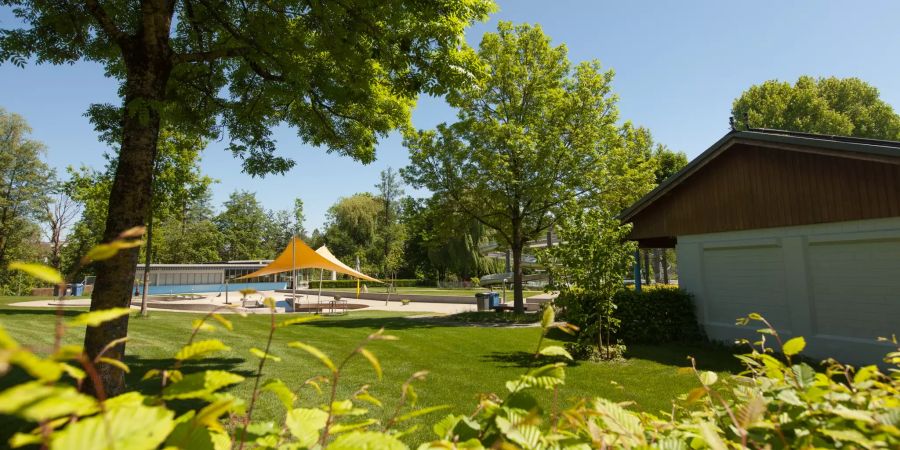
{"points": [[744, 280], [855, 288]]}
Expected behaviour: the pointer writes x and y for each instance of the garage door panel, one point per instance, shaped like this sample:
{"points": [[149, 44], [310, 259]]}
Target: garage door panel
{"points": [[740, 281], [855, 287]]}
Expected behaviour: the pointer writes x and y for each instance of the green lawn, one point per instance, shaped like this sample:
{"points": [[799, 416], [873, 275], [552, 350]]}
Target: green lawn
{"points": [[464, 361], [461, 292]]}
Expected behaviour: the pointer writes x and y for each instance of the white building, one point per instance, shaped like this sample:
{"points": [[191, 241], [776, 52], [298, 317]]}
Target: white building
{"points": [[801, 228]]}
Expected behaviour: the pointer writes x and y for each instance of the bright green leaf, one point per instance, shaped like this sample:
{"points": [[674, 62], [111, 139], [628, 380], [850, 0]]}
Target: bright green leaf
{"points": [[95, 318], [39, 271], [794, 346]]}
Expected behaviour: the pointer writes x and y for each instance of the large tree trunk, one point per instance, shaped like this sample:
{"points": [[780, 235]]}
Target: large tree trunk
{"points": [[517, 244], [148, 66]]}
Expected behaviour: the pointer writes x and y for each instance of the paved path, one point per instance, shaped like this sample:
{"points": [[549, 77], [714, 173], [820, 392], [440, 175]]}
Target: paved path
{"points": [[214, 300]]}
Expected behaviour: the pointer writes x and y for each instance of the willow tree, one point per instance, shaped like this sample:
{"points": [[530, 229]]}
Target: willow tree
{"points": [[341, 73], [533, 132]]}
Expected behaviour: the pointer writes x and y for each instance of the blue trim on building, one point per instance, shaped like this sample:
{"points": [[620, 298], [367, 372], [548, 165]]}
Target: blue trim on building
{"points": [[192, 288]]}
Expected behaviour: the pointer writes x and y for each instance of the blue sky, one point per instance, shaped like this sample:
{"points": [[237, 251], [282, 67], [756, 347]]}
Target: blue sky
{"points": [[678, 64]]}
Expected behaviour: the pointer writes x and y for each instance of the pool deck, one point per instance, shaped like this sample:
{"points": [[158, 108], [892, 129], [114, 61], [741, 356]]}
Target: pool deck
{"points": [[213, 300]]}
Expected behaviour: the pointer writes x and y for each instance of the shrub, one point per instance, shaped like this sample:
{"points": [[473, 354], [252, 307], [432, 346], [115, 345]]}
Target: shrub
{"points": [[405, 301], [650, 317], [656, 316]]}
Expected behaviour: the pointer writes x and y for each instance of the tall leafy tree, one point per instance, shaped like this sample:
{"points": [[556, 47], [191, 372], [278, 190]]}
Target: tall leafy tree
{"points": [[390, 232], [25, 185], [533, 132], [244, 225], [342, 73], [842, 106], [351, 230]]}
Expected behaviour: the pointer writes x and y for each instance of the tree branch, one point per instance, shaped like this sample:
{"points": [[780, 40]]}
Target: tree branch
{"points": [[211, 55], [106, 22]]}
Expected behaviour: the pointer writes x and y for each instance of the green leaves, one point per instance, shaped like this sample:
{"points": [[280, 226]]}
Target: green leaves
{"points": [[316, 353], [39, 271], [372, 360], [201, 349], [555, 350], [263, 355], [548, 317], [794, 346], [95, 318], [282, 391], [201, 384], [708, 378], [305, 425], [136, 427], [36, 401], [366, 440]]}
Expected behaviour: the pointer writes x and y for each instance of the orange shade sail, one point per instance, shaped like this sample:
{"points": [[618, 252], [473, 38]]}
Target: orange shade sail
{"points": [[298, 255]]}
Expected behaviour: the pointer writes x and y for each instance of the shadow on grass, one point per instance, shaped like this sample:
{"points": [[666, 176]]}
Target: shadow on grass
{"points": [[374, 323], [524, 360], [68, 311], [707, 356]]}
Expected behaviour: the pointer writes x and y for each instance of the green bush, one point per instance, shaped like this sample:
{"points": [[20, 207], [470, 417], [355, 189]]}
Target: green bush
{"points": [[656, 316], [338, 284], [650, 317]]}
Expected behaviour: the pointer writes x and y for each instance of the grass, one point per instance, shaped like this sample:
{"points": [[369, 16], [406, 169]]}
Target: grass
{"points": [[463, 361], [493, 317], [460, 292]]}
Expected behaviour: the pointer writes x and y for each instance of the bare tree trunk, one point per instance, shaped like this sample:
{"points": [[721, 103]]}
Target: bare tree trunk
{"points": [[657, 265], [646, 267], [148, 257], [665, 265]]}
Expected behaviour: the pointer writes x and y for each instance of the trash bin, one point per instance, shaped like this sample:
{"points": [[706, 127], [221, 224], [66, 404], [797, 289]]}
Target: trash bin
{"points": [[494, 298], [482, 300], [76, 289]]}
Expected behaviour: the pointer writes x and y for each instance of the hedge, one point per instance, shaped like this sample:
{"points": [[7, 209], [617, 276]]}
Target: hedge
{"points": [[653, 316], [657, 316], [333, 284]]}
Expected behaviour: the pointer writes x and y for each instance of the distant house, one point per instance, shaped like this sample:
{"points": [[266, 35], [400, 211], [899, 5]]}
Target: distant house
{"points": [[801, 228]]}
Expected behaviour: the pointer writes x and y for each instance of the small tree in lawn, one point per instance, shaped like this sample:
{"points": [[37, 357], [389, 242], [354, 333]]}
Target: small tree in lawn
{"points": [[589, 264]]}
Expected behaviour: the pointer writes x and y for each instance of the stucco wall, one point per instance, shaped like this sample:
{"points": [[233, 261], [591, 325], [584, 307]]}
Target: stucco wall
{"points": [[836, 284]]}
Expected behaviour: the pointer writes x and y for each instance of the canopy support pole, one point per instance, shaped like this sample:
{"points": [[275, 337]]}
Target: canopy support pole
{"points": [[293, 273], [321, 274]]}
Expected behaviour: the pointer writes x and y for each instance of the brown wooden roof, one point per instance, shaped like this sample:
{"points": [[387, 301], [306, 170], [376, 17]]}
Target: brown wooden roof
{"points": [[763, 179]]}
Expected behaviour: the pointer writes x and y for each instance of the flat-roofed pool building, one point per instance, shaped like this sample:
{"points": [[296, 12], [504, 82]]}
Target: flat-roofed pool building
{"points": [[190, 278]]}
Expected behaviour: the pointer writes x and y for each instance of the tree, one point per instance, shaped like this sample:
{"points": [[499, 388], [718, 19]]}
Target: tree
{"points": [[590, 259], [841, 106], [342, 73], [58, 214], [180, 192], [283, 225], [532, 133], [244, 225], [351, 230], [390, 232], [188, 242], [299, 217], [25, 184]]}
